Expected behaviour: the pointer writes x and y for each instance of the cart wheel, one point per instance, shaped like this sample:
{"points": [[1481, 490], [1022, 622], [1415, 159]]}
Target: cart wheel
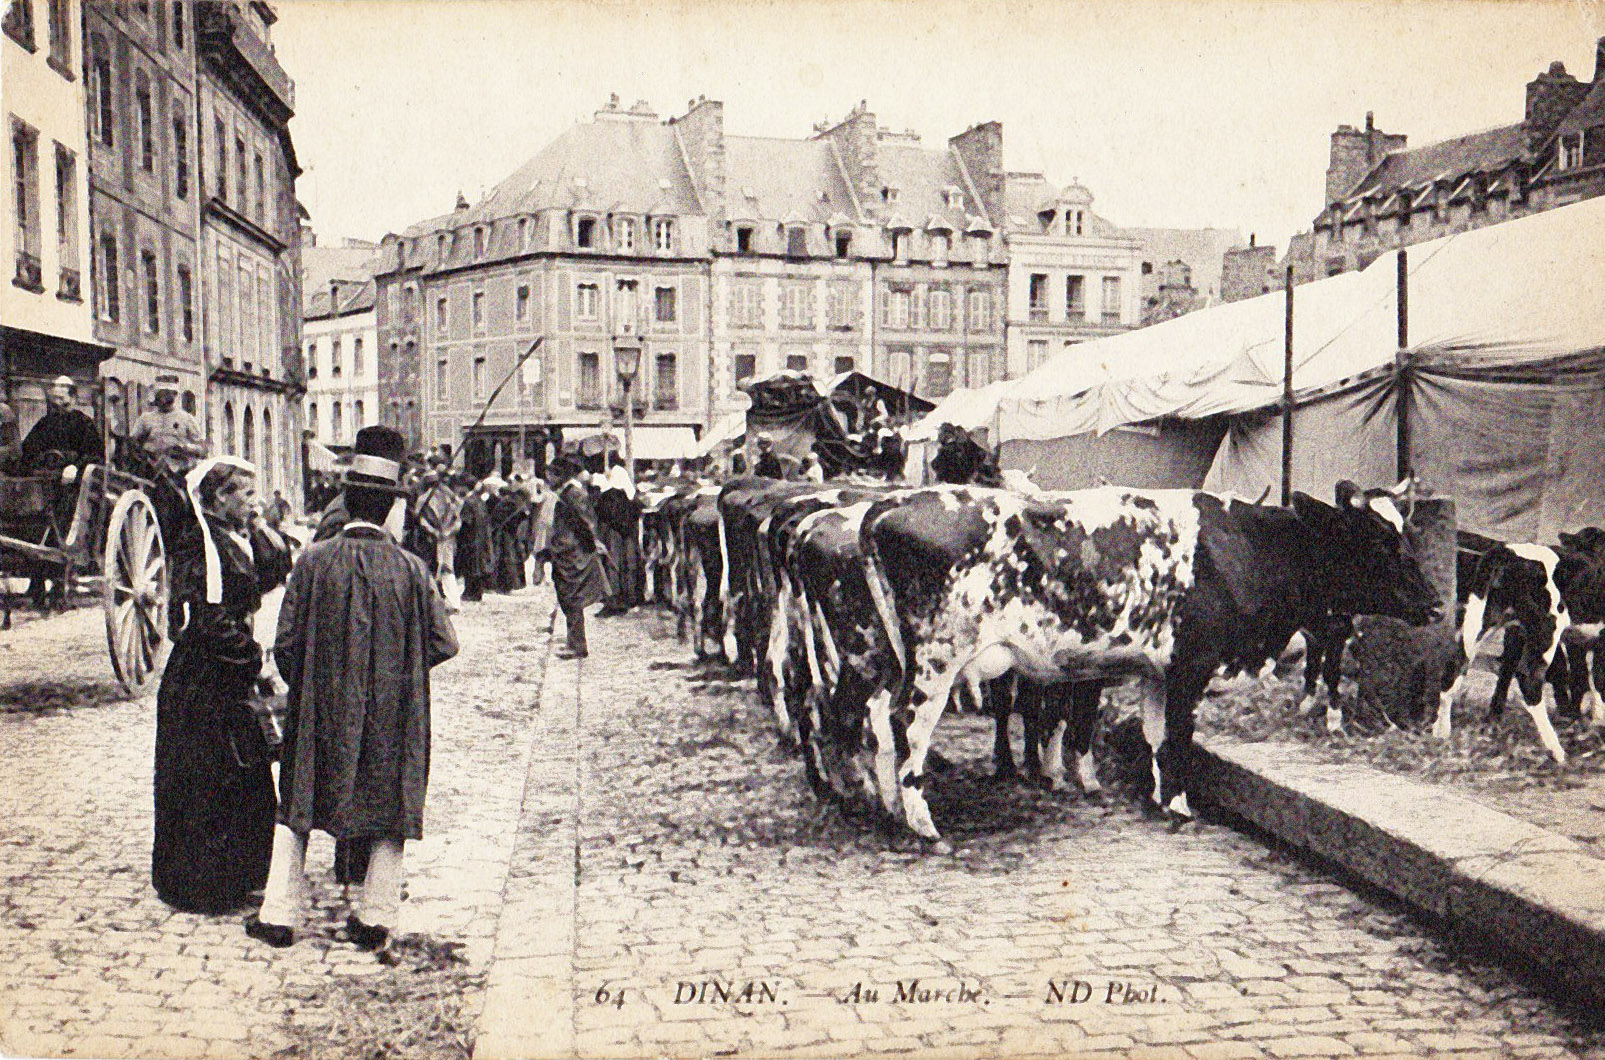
{"points": [[136, 592]]}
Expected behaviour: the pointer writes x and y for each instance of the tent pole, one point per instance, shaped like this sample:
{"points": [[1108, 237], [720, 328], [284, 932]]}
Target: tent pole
{"points": [[1287, 398], [1402, 370]]}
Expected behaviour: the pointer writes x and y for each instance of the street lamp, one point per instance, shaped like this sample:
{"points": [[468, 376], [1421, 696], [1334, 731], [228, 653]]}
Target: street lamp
{"points": [[627, 362]]}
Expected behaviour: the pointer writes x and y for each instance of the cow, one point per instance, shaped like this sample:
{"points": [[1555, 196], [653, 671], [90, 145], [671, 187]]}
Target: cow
{"points": [[1514, 590], [1156, 587], [701, 564], [745, 591]]}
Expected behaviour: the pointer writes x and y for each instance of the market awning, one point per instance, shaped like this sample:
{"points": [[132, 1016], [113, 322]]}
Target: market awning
{"points": [[728, 429]]}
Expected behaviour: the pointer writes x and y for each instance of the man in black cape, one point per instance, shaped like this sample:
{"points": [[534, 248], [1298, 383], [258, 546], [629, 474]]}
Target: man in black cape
{"points": [[575, 553]]}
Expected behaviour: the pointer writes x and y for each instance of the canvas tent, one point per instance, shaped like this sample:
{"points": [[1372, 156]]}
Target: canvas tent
{"points": [[797, 411], [1502, 381]]}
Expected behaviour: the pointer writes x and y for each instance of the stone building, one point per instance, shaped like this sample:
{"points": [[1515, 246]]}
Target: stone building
{"points": [[1382, 194], [1248, 272], [47, 325], [250, 239], [144, 191], [1200, 250], [1072, 275], [341, 353]]}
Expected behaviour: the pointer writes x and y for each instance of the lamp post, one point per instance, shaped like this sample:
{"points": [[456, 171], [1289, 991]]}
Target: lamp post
{"points": [[627, 361]]}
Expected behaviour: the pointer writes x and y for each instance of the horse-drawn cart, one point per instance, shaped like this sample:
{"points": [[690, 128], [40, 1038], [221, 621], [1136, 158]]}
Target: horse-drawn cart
{"points": [[104, 524]]}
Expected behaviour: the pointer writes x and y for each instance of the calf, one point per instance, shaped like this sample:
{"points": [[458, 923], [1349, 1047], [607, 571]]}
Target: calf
{"points": [[1159, 587]]}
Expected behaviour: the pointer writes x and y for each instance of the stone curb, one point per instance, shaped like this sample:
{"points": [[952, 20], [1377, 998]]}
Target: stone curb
{"points": [[1523, 894], [529, 993]]}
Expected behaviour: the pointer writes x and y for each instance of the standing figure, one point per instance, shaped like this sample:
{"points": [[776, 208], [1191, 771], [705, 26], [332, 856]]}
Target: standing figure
{"points": [[768, 464], [476, 551], [509, 518], [61, 443], [618, 524], [576, 554], [360, 629], [439, 517], [213, 786], [168, 441]]}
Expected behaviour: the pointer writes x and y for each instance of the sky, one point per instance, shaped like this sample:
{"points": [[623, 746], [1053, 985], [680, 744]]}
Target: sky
{"points": [[1190, 113]]}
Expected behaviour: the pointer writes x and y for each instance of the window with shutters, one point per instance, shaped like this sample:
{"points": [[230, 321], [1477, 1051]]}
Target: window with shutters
{"points": [[663, 234], [980, 311], [1036, 351], [1038, 298], [1111, 299], [626, 307], [588, 302], [900, 244], [980, 370], [1075, 297], [25, 202], [665, 382], [901, 307], [589, 392], [624, 234], [746, 307], [796, 306], [442, 383], [665, 307], [941, 309], [746, 366], [938, 375], [838, 306], [521, 304], [941, 247]]}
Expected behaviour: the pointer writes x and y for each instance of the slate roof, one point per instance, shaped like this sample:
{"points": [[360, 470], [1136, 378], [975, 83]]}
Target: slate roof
{"points": [[1587, 114], [922, 176], [354, 266], [1484, 151], [772, 179], [354, 297]]}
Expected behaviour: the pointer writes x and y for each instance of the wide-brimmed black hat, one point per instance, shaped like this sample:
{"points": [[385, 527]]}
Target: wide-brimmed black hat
{"points": [[376, 460], [564, 466]]}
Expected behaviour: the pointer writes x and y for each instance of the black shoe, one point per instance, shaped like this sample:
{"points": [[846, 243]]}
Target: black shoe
{"points": [[366, 936], [276, 935], [572, 653]]}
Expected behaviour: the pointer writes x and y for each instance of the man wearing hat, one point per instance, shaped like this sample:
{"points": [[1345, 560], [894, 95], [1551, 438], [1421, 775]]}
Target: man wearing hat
{"points": [[360, 628], [768, 464], [575, 552], [169, 438], [62, 429]]}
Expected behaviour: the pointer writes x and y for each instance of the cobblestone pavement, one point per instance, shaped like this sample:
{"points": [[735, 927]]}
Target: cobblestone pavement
{"points": [[676, 891], [95, 965]]}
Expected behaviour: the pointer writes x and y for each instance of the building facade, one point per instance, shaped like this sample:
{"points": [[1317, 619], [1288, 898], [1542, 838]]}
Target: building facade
{"points": [[250, 240], [1072, 276], [46, 318], [341, 352], [1382, 194], [144, 219]]}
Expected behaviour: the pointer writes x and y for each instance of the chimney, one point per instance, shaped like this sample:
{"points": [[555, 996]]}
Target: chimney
{"points": [[980, 149], [1355, 154], [701, 134], [1599, 61], [856, 142], [1550, 97]]}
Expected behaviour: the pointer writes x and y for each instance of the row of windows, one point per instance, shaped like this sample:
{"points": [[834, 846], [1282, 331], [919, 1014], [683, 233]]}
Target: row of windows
{"points": [[19, 26], [339, 429], [1075, 299], [586, 232], [336, 360], [589, 391], [934, 309], [147, 122], [247, 317], [240, 438], [148, 275], [28, 219]]}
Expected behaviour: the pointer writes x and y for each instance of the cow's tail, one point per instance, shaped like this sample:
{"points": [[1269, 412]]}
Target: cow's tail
{"points": [[727, 635], [880, 590]]}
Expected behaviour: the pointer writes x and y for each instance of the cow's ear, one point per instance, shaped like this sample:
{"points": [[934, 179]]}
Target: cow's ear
{"points": [[1349, 495], [1570, 542]]}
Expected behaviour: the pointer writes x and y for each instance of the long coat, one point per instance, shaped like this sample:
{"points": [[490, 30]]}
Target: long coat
{"points": [[577, 573], [476, 546], [360, 628], [213, 789]]}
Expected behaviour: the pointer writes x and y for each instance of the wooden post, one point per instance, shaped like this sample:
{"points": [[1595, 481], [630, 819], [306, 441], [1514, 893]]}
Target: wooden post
{"points": [[1401, 373], [1287, 400]]}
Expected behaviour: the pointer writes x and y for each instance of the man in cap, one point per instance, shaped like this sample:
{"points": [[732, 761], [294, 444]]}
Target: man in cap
{"points": [[360, 628], [169, 438]]}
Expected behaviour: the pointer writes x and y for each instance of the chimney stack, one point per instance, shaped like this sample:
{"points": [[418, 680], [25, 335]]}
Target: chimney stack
{"points": [[1599, 61]]}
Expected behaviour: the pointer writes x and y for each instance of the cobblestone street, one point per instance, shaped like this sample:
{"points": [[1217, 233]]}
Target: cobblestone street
{"points": [[97, 966], [671, 888]]}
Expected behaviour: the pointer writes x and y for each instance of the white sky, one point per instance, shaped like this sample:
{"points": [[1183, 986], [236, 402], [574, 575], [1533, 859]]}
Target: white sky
{"points": [[1184, 114]]}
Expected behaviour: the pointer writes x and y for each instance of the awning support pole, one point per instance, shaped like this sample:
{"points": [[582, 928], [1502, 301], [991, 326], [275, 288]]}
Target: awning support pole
{"points": [[1402, 370], [1287, 398]]}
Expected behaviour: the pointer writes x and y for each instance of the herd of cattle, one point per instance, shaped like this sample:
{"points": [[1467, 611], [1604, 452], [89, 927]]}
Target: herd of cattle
{"points": [[864, 610]]}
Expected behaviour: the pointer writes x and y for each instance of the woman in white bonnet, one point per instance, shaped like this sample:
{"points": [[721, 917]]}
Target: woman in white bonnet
{"points": [[215, 802]]}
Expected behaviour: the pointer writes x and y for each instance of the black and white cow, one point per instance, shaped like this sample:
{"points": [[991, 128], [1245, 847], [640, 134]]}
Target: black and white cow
{"points": [[698, 606], [1158, 587]]}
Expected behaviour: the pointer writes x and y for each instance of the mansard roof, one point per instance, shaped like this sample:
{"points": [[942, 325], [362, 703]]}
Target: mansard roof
{"points": [[788, 181], [922, 177], [1485, 152]]}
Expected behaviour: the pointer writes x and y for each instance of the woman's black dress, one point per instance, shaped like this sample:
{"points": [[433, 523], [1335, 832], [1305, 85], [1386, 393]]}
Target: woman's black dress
{"points": [[215, 802]]}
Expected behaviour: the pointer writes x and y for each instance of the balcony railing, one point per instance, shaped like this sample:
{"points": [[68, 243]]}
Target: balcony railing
{"points": [[1039, 314]]}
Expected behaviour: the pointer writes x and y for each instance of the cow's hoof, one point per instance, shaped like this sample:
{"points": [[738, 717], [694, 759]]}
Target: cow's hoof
{"points": [[942, 847], [1441, 729], [1178, 808], [1334, 721], [1307, 705]]}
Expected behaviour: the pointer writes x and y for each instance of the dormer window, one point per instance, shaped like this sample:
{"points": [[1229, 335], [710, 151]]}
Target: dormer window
{"points": [[744, 239], [585, 232], [955, 198], [844, 244], [1075, 223], [479, 242], [888, 194], [797, 242], [624, 233], [900, 245], [440, 246], [663, 234], [523, 233], [941, 245], [1571, 151]]}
